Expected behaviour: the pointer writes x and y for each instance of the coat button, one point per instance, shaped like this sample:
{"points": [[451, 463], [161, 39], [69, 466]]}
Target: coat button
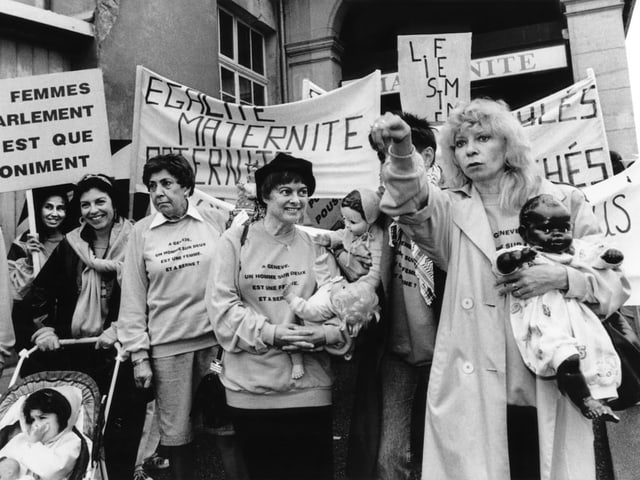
{"points": [[467, 367], [467, 303]]}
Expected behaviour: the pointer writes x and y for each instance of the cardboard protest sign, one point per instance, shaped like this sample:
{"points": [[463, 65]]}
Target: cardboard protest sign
{"points": [[567, 135], [615, 202], [53, 129], [224, 142], [434, 73]]}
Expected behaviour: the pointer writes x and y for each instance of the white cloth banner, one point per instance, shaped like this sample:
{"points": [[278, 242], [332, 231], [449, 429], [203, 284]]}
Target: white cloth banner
{"points": [[224, 142], [567, 135], [434, 73], [615, 202], [53, 129]]}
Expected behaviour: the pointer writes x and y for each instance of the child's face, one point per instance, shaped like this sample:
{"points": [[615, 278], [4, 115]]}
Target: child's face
{"points": [[549, 229], [46, 421], [354, 222]]}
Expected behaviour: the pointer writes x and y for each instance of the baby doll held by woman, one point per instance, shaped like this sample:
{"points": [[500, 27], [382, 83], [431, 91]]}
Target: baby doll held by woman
{"points": [[557, 335], [359, 244], [358, 247], [351, 305]]}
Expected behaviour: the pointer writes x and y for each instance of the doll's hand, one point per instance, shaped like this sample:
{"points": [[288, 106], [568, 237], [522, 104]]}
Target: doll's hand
{"points": [[287, 293], [37, 432], [322, 239], [612, 256], [354, 266], [510, 261]]}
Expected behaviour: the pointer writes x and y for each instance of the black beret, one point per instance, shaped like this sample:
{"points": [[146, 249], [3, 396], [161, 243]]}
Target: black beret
{"points": [[286, 163]]}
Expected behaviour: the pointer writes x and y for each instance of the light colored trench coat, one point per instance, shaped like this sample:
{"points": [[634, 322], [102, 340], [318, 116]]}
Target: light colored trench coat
{"points": [[466, 424]]}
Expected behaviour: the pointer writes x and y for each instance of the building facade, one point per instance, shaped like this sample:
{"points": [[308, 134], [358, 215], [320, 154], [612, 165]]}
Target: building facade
{"points": [[259, 51]]}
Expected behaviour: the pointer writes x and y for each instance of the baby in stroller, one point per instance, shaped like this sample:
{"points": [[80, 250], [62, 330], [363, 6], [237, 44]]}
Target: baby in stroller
{"points": [[48, 447]]}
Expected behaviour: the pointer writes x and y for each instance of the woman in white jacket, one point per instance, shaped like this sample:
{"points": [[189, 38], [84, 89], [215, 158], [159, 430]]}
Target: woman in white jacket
{"points": [[477, 371]]}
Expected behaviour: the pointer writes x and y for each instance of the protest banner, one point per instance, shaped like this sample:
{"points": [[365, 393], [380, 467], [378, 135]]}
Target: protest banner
{"points": [[224, 142], [53, 129], [567, 135], [310, 89], [434, 73], [615, 202], [321, 212]]}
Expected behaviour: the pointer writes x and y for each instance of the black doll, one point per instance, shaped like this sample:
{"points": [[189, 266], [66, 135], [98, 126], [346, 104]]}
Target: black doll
{"points": [[557, 334]]}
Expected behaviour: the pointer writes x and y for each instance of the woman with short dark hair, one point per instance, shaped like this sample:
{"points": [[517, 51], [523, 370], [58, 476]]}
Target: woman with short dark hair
{"points": [[163, 320], [283, 423]]}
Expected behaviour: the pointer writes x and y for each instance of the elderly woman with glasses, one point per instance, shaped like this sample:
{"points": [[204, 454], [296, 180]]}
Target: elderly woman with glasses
{"points": [[163, 320]]}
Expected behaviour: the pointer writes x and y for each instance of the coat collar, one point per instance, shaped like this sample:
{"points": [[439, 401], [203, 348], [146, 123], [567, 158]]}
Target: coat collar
{"points": [[470, 217], [160, 219]]}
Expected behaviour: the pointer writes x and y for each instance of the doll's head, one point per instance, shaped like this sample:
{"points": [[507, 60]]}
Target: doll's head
{"points": [[47, 407], [356, 304], [360, 208], [9, 469], [545, 223]]}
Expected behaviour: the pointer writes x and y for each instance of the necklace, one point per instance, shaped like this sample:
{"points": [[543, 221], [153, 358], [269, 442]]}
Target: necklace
{"points": [[100, 245], [285, 239]]}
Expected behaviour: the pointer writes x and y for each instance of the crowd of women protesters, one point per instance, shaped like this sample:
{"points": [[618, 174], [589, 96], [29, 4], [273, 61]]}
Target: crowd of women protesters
{"points": [[178, 287]]}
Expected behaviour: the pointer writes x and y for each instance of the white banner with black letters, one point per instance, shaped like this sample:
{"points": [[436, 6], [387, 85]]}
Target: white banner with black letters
{"points": [[224, 141], [567, 135], [53, 129], [615, 202]]}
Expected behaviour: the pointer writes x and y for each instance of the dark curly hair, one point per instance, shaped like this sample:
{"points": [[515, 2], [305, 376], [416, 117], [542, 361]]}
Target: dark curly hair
{"points": [[40, 197], [48, 400], [101, 182], [176, 165], [528, 212]]}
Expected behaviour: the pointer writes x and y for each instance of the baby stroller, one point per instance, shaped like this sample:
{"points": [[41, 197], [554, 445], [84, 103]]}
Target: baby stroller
{"points": [[91, 418]]}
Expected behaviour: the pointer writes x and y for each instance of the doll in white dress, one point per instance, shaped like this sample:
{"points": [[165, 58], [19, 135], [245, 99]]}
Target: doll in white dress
{"points": [[560, 336]]}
